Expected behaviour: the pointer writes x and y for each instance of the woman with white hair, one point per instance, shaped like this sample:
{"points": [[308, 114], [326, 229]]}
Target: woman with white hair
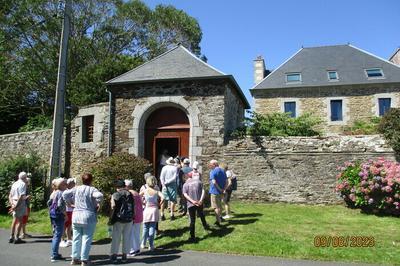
{"points": [[151, 214], [86, 200], [57, 216]]}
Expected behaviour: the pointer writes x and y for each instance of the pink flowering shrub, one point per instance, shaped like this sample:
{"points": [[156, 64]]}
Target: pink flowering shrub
{"points": [[373, 186]]}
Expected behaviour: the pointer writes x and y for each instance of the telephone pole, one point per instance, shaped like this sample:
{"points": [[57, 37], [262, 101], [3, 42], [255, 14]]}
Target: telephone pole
{"points": [[58, 120]]}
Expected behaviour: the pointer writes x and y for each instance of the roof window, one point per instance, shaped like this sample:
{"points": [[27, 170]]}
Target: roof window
{"points": [[374, 72], [293, 77]]}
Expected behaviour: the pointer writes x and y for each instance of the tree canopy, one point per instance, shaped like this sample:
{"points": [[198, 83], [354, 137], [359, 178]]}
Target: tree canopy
{"points": [[108, 38]]}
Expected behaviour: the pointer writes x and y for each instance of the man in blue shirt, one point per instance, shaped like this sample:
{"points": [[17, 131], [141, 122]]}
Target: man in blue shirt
{"points": [[217, 188]]}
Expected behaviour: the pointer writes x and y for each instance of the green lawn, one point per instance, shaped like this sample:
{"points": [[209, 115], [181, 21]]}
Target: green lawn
{"points": [[281, 230]]}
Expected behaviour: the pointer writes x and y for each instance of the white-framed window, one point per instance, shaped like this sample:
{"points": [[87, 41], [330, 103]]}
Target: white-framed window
{"points": [[337, 111], [383, 102], [373, 73], [293, 77], [332, 75], [291, 105]]}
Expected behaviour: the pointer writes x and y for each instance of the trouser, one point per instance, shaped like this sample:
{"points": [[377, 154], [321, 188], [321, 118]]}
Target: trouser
{"points": [[148, 233], [124, 229], [192, 218], [82, 237], [58, 226], [135, 237]]}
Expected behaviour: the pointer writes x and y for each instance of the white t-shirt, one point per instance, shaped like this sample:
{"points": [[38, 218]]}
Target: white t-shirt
{"points": [[18, 189]]}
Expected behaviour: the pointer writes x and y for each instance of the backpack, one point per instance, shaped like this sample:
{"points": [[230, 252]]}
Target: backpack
{"points": [[54, 211], [234, 183], [126, 210]]}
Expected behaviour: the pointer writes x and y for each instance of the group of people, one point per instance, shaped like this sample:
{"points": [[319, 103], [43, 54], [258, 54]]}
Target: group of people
{"points": [[73, 209]]}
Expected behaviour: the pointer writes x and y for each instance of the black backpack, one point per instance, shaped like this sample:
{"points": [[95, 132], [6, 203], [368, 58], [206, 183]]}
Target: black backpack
{"points": [[126, 210]]}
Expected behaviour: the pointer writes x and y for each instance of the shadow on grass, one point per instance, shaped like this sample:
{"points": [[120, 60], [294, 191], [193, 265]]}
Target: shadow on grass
{"points": [[102, 241], [243, 221], [151, 257], [173, 232], [221, 231], [245, 215]]}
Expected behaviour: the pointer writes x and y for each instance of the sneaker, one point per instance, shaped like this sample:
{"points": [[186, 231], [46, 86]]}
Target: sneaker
{"points": [[142, 246], [86, 263], [11, 240], [162, 218], [19, 241], [63, 244], [124, 259], [222, 219], [151, 248], [113, 258], [75, 261], [217, 223], [226, 217], [133, 253], [56, 258]]}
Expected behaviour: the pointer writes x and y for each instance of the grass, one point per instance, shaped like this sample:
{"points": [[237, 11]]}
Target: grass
{"points": [[279, 230]]}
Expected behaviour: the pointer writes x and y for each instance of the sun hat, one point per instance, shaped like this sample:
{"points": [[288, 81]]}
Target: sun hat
{"points": [[195, 165], [186, 161], [170, 161]]}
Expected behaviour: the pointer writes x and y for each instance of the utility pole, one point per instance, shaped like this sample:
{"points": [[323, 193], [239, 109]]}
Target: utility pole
{"points": [[58, 120]]}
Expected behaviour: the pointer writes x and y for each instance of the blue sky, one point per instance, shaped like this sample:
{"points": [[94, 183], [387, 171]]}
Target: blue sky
{"points": [[236, 31]]}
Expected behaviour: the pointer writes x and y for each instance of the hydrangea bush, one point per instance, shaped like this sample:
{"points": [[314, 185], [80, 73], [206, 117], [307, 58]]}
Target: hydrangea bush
{"points": [[373, 186]]}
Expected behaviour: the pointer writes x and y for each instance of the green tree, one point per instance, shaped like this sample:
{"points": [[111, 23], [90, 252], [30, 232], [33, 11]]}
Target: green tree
{"points": [[108, 37]]}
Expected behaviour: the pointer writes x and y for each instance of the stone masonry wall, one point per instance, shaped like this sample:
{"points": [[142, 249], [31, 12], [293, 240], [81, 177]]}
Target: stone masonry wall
{"points": [[359, 102], [234, 111], [22, 143], [296, 169], [84, 155]]}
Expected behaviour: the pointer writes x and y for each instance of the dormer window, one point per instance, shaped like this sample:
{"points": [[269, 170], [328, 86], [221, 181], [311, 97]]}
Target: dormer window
{"points": [[293, 77], [374, 73], [332, 76]]}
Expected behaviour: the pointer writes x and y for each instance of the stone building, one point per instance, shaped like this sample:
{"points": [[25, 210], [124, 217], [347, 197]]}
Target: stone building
{"points": [[339, 84], [395, 58], [174, 102]]}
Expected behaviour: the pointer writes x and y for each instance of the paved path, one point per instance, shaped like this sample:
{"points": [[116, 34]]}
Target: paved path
{"points": [[37, 252]]}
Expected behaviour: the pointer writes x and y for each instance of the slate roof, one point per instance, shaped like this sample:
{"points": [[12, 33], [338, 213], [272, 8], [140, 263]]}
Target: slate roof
{"points": [[177, 63], [313, 63]]}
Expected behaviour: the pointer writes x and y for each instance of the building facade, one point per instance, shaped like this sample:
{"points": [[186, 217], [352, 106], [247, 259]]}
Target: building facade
{"points": [[339, 84], [175, 103]]}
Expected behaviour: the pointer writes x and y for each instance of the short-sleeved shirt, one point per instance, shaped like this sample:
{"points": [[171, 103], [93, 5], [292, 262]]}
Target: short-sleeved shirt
{"points": [[219, 176], [18, 189], [193, 188]]}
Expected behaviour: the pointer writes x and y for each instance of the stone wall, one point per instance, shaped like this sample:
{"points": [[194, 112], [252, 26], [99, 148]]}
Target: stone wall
{"points": [[296, 169], [84, 155], [234, 111], [360, 102], [22, 143]]}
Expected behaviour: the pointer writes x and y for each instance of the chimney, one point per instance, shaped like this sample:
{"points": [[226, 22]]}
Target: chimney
{"points": [[259, 69], [395, 58]]}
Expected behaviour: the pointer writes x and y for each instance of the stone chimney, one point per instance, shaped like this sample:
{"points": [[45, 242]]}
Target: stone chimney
{"points": [[259, 69], [395, 58]]}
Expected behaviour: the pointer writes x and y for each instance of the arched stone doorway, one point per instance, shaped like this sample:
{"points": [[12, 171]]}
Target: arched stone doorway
{"points": [[166, 129]]}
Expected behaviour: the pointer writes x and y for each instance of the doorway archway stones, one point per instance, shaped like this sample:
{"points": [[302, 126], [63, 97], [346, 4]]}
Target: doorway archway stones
{"points": [[142, 112]]}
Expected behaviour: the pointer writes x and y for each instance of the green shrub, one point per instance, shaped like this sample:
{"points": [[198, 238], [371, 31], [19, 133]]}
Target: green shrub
{"points": [[37, 122], [389, 127], [9, 170], [119, 165], [362, 127], [278, 124]]}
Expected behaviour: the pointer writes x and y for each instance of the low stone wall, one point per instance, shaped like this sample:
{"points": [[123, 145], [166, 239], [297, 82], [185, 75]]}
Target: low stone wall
{"points": [[296, 169], [22, 143]]}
